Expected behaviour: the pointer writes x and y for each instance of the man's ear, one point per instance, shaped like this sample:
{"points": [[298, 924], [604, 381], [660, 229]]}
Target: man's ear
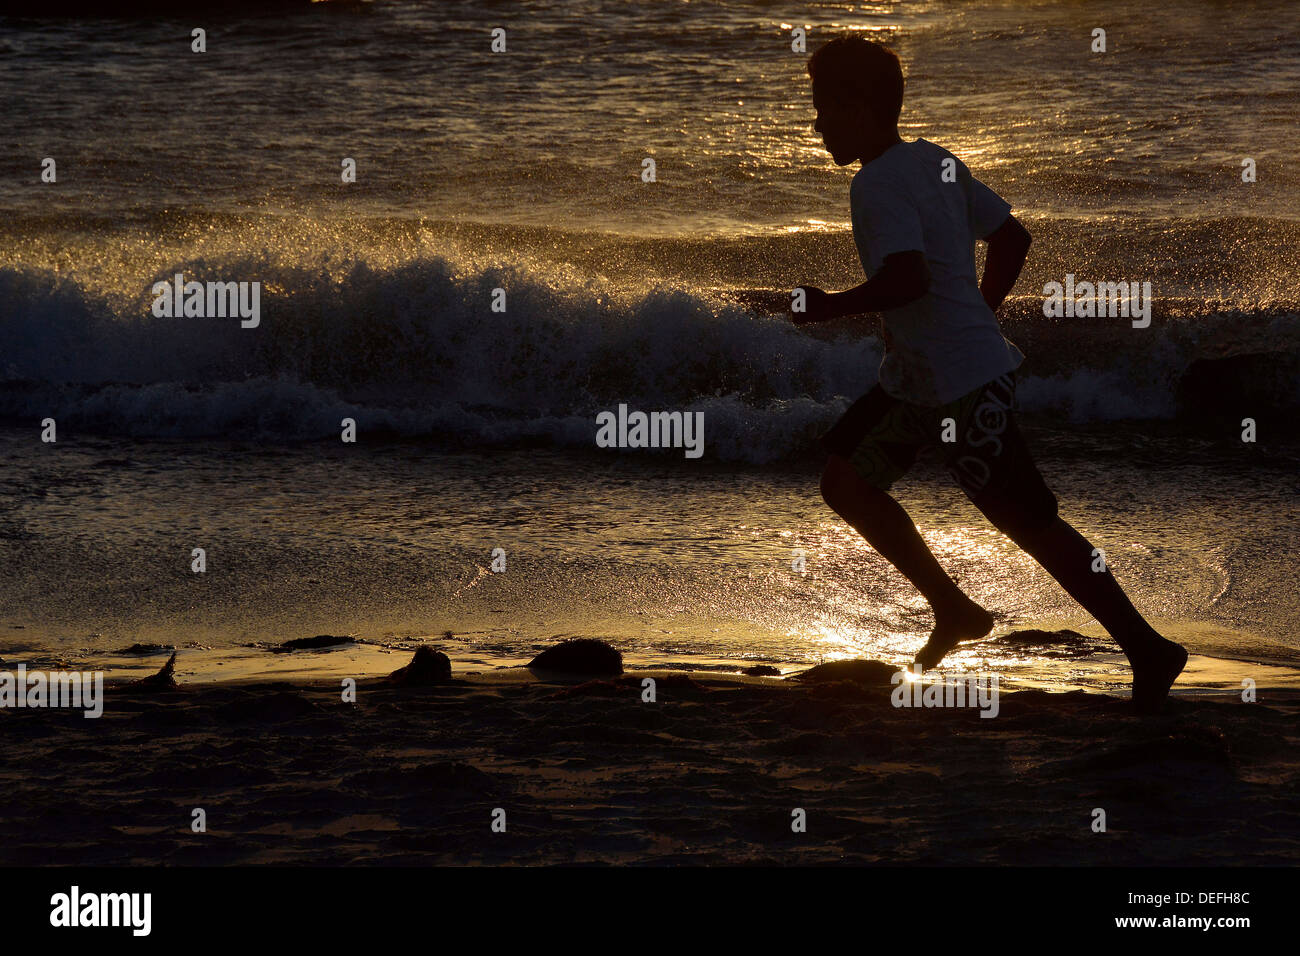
{"points": [[868, 119]]}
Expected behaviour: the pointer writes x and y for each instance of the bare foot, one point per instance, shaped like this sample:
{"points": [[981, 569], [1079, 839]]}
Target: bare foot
{"points": [[969, 623], [1155, 668]]}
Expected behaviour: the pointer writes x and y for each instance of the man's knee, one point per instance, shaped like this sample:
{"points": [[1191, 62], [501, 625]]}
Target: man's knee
{"points": [[837, 479], [1021, 516], [841, 485]]}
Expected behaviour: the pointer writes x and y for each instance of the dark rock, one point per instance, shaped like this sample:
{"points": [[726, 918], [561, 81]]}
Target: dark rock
{"points": [[1032, 635], [1063, 644], [584, 655], [688, 666], [861, 672], [1255, 385], [306, 643], [143, 650], [674, 682], [761, 670], [681, 683], [427, 667], [165, 679]]}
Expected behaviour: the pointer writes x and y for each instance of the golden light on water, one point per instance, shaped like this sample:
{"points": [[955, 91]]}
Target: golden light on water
{"points": [[869, 610], [817, 225]]}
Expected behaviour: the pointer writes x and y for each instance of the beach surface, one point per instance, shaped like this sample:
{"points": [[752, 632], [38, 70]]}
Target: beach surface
{"points": [[384, 456], [713, 771]]}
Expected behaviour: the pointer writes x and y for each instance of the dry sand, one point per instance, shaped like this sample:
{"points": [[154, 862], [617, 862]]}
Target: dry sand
{"points": [[588, 773]]}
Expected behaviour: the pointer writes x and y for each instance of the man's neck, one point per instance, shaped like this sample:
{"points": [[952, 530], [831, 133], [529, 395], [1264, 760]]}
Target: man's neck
{"points": [[878, 147]]}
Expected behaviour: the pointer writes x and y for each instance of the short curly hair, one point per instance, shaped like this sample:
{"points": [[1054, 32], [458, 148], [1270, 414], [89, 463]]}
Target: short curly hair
{"points": [[854, 69]]}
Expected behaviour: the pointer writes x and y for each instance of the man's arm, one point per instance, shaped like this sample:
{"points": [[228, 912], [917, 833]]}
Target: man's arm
{"points": [[903, 277], [1008, 247]]}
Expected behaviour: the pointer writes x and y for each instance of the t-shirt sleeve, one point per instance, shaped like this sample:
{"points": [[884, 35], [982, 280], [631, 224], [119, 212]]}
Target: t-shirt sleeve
{"points": [[988, 210], [885, 220]]}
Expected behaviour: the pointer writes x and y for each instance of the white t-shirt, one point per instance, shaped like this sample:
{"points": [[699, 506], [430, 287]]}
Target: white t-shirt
{"points": [[947, 342]]}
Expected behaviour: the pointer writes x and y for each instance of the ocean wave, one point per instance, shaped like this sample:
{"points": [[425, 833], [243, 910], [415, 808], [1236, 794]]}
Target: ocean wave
{"points": [[417, 351]]}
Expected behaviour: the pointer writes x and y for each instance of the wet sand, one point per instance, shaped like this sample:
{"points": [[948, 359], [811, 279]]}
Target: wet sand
{"points": [[710, 773]]}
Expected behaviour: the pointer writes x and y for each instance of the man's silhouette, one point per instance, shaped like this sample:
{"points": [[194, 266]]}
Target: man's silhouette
{"points": [[917, 213]]}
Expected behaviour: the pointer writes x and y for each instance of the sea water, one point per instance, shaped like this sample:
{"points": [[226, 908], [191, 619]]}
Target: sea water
{"points": [[476, 427]]}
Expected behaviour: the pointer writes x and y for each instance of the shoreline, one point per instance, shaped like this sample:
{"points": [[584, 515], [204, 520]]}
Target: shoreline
{"points": [[588, 772], [1097, 673]]}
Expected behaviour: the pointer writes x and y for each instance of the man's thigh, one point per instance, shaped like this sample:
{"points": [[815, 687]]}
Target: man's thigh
{"points": [[879, 436], [991, 461]]}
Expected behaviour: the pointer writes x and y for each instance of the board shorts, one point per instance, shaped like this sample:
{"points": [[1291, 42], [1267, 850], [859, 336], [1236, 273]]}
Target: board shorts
{"points": [[976, 436]]}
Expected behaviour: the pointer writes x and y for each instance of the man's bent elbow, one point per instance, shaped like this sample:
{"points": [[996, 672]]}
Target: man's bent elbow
{"points": [[917, 284], [911, 278], [1011, 234]]}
